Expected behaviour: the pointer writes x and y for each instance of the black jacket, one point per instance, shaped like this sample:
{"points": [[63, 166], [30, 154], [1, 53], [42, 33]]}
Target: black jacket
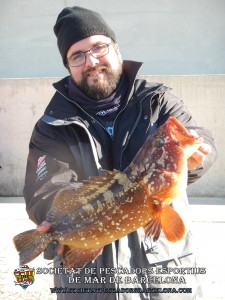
{"points": [[72, 145], [69, 145]]}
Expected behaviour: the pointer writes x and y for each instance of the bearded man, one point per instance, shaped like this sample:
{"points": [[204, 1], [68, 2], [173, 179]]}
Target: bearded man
{"points": [[99, 117]]}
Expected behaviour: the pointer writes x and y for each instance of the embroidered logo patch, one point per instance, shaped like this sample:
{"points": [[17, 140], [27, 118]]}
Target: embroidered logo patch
{"points": [[41, 168], [107, 111]]}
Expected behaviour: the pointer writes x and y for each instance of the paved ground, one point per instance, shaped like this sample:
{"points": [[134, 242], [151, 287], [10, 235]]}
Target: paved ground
{"points": [[208, 223]]}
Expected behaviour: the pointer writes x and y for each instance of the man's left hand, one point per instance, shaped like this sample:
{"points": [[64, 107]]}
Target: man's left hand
{"points": [[198, 157]]}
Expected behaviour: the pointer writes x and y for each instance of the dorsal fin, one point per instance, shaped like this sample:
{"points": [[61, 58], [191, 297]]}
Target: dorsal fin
{"points": [[97, 184], [63, 203], [70, 199]]}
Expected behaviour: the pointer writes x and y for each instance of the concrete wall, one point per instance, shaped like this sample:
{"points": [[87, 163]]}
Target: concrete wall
{"points": [[23, 102], [171, 37]]}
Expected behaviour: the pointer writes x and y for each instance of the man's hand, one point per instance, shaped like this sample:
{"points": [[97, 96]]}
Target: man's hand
{"points": [[198, 157], [45, 226]]}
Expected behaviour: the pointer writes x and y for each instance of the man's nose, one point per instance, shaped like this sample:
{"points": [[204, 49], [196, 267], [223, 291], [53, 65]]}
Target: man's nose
{"points": [[90, 60]]}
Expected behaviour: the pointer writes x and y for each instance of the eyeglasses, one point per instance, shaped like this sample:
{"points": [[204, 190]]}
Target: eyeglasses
{"points": [[78, 59]]}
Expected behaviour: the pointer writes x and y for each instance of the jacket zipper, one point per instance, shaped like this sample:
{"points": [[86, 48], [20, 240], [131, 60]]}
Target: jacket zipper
{"points": [[132, 130], [92, 118]]}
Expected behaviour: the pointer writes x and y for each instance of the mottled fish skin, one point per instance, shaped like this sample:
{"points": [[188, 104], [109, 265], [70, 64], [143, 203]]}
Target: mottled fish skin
{"points": [[109, 207]]}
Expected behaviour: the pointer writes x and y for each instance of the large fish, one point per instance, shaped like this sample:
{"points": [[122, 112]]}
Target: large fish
{"points": [[106, 208]]}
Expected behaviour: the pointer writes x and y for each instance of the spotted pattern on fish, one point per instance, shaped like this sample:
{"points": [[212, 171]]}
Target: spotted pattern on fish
{"points": [[104, 209]]}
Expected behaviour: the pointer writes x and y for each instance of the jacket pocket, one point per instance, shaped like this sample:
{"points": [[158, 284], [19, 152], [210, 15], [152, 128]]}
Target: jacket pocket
{"points": [[163, 250]]}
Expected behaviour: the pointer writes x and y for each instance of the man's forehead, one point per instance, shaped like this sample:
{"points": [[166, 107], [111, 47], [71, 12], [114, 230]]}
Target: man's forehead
{"points": [[90, 41]]}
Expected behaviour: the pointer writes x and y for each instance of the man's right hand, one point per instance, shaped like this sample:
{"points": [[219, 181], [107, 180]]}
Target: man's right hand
{"points": [[53, 248], [44, 226]]}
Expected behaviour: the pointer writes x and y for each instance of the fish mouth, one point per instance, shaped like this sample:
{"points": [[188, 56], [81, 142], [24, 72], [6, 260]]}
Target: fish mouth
{"points": [[180, 134], [183, 138]]}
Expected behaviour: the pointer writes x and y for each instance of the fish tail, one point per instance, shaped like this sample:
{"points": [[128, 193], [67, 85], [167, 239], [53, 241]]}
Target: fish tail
{"points": [[171, 223], [30, 244]]}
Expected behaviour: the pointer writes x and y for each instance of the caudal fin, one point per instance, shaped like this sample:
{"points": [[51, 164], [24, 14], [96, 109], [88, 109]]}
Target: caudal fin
{"points": [[171, 223], [30, 244]]}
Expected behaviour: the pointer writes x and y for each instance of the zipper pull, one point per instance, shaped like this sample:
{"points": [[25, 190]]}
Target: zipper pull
{"points": [[110, 130]]}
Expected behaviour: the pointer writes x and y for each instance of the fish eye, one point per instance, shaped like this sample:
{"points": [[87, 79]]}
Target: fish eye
{"points": [[159, 142]]}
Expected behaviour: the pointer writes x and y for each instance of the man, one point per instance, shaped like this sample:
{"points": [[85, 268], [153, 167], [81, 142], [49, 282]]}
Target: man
{"points": [[99, 117]]}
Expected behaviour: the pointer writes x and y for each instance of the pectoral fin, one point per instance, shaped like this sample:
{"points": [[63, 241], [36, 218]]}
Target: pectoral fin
{"points": [[153, 228], [171, 223]]}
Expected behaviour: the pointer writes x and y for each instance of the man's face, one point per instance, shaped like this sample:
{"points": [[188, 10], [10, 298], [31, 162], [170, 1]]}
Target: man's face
{"points": [[97, 77]]}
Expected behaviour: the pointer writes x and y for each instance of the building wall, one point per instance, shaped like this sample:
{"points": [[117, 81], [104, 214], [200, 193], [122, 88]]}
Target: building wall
{"points": [[23, 102], [171, 37]]}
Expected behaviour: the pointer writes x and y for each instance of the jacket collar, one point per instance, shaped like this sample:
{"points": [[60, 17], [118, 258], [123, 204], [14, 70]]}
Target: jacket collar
{"points": [[130, 69], [58, 108]]}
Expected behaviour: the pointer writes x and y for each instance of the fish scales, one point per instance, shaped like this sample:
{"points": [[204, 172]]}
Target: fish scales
{"points": [[104, 209]]}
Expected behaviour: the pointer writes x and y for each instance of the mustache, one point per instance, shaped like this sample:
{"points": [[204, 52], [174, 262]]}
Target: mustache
{"points": [[95, 69]]}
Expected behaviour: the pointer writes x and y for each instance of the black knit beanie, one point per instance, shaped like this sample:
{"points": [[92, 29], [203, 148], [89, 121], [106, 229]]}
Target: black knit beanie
{"points": [[76, 23]]}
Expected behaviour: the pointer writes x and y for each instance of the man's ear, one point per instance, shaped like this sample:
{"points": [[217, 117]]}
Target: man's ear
{"points": [[68, 68], [116, 46]]}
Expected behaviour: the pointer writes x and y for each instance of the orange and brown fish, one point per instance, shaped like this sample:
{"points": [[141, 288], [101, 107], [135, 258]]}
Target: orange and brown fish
{"points": [[106, 208]]}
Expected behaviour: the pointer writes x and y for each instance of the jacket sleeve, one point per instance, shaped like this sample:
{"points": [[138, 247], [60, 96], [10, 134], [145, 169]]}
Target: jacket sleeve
{"points": [[50, 167], [170, 105]]}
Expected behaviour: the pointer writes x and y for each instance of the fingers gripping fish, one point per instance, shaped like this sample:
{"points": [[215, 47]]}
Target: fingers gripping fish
{"points": [[106, 208]]}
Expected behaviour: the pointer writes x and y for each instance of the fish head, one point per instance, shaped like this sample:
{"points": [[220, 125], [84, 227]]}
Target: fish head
{"points": [[166, 156], [172, 138], [162, 160]]}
